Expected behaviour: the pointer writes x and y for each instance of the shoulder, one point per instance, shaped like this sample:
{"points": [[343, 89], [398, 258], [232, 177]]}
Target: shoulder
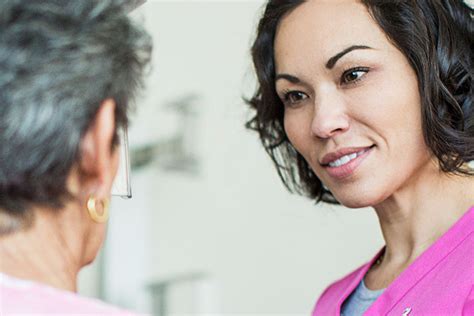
{"points": [[28, 297], [331, 296]]}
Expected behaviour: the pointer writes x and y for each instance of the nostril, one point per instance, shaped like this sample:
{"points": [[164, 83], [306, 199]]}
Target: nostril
{"points": [[327, 126]]}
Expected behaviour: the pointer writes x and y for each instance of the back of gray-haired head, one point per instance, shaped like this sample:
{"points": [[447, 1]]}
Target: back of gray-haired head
{"points": [[59, 59]]}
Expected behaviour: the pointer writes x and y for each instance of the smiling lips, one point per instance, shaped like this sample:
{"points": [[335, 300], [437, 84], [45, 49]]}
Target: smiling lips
{"points": [[342, 163]]}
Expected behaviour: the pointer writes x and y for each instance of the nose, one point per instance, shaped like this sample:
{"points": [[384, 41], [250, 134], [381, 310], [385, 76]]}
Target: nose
{"points": [[330, 116]]}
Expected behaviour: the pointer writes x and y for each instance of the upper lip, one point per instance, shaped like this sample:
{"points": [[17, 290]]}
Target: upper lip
{"points": [[332, 156]]}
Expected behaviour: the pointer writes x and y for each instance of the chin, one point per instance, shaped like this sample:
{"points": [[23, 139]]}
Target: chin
{"points": [[88, 261], [359, 198], [350, 203], [91, 251], [90, 257]]}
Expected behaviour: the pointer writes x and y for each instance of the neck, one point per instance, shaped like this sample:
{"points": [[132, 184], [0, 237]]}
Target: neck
{"points": [[46, 253], [415, 216]]}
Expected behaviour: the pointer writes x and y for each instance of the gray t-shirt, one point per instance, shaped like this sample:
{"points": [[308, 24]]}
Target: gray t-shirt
{"points": [[360, 300]]}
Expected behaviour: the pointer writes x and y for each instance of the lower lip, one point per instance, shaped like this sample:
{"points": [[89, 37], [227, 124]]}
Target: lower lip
{"points": [[349, 168]]}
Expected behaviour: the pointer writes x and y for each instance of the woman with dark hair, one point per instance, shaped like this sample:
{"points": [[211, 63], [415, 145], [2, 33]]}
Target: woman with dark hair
{"points": [[69, 71], [370, 103]]}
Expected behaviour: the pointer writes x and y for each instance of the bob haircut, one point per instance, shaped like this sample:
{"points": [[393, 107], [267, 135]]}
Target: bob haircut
{"points": [[59, 61], [437, 38]]}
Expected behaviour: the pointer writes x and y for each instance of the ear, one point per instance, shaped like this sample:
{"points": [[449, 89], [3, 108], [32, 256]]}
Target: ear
{"points": [[99, 158]]}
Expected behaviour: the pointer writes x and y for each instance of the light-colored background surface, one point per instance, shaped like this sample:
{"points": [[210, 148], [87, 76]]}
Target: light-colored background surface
{"points": [[227, 226]]}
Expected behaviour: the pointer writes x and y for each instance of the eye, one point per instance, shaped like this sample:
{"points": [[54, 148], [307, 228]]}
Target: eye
{"points": [[353, 75], [294, 97]]}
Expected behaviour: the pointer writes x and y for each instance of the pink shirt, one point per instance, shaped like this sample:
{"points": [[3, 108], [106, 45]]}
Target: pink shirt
{"points": [[438, 283], [25, 297]]}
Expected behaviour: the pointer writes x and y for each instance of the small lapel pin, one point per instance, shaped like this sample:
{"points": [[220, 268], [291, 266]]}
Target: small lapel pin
{"points": [[407, 311]]}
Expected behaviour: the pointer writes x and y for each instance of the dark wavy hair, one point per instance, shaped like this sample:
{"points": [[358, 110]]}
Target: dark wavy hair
{"points": [[59, 60], [437, 38]]}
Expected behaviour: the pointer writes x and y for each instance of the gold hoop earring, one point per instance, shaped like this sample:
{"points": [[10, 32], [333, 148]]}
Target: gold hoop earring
{"points": [[98, 217]]}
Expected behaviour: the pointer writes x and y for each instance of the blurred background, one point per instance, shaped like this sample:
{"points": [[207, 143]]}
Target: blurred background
{"points": [[210, 228]]}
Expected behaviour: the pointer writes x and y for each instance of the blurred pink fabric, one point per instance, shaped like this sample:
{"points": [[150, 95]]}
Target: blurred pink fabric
{"points": [[439, 283], [25, 297]]}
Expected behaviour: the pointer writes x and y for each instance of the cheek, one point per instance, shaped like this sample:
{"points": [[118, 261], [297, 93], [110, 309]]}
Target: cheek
{"points": [[297, 126], [392, 111]]}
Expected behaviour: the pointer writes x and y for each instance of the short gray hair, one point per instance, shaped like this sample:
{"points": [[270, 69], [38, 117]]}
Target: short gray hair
{"points": [[59, 59]]}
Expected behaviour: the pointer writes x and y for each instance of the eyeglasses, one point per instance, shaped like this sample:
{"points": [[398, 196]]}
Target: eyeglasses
{"points": [[121, 186]]}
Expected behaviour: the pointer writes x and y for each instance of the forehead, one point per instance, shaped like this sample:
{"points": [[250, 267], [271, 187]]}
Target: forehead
{"points": [[317, 29]]}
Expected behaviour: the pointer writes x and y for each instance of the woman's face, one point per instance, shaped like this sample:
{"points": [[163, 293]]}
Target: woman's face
{"points": [[352, 105]]}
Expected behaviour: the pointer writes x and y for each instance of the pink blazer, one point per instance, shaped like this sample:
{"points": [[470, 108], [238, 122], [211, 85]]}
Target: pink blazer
{"points": [[438, 283], [25, 297]]}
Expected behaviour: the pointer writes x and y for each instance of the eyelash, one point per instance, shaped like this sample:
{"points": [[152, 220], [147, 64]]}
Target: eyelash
{"points": [[288, 93], [365, 70]]}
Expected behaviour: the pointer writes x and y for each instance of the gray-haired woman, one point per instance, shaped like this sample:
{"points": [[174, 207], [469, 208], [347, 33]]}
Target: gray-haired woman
{"points": [[69, 70]]}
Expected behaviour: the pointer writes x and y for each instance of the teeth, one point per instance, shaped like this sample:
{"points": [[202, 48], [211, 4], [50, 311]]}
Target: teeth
{"points": [[345, 159]]}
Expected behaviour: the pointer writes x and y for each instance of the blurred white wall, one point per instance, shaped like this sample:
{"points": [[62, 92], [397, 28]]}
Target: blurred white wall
{"points": [[257, 248]]}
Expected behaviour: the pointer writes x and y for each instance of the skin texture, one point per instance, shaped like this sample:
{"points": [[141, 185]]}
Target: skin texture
{"points": [[377, 103], [61, 242]]}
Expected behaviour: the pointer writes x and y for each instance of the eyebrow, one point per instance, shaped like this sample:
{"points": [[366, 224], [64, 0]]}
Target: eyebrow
{"points": [[287, 77], [333, 60], [330, 63]]}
